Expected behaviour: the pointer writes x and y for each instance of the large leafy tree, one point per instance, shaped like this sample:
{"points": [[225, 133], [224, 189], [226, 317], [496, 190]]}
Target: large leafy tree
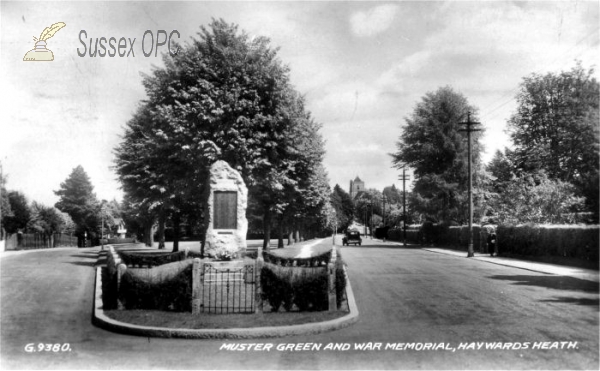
{"points": [[344, 207], [5, 210], [224, 96], [21, 213], [555, 129], [79, 201], [433, 147], [367, 206], [46, 220], [534, 198]]}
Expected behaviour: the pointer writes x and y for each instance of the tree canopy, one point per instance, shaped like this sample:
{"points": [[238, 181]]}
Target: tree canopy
{"points": [[432, 146], [78, 200], [225, 96], [555, 129], [343, 206], [20, 211]]}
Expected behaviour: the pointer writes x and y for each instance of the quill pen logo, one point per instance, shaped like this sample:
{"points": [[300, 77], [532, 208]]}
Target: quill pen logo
{"points": [[40, 52]]}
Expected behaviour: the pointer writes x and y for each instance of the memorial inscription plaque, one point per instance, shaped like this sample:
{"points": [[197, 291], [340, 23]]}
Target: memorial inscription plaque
{"points": [[225, 206]]}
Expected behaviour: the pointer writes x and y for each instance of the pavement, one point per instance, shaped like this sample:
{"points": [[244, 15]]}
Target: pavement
{"points": [[555, 269]]}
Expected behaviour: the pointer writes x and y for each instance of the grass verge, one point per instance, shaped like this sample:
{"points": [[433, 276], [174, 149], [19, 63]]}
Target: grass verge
{"points": [[157, 318]]}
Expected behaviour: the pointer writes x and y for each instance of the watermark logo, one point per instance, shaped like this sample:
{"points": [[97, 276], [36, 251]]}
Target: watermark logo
{"points": [[40, 52]]}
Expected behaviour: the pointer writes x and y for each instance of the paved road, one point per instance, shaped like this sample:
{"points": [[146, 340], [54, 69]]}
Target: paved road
{"points": [[404, 295]]}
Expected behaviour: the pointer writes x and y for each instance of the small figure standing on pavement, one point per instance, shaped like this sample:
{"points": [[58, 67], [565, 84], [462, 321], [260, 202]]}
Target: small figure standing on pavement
{"points": [[491, 240]]}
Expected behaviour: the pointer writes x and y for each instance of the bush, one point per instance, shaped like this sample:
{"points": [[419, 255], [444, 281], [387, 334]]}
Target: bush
{"points": [[151, 259], [573, 241], [413, 235], [313, 261], [168, 287], [381, 232], [303, 286], [340, 280]]}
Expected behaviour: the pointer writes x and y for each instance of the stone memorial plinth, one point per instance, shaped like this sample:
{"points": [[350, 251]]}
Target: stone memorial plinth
{"points": [[226, 211]]}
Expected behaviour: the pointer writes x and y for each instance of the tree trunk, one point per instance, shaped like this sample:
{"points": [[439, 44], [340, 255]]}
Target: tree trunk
{"points": [[176, 232], [267, 228], [280, 234], [161, 230], [148, 235]]}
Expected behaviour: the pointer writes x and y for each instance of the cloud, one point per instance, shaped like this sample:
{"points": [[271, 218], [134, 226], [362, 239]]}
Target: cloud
{"points": [[485, 52], [373, 21]]}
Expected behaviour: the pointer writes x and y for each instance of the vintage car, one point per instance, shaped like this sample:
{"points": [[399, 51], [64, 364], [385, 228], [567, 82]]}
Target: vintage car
{"points": [[352, 236]]}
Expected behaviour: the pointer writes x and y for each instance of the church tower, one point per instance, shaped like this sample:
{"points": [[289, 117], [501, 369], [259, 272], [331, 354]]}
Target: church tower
{"points": [[356, 186]]}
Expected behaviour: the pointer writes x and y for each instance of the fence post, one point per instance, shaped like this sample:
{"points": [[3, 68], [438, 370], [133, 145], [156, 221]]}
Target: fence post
{"points": [[331, 291], [121, 269], [197, 284], [258, 300]]}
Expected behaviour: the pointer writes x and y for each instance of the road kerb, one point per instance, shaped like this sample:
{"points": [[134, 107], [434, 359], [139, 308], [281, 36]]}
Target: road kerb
{"points": [[101, 320]]}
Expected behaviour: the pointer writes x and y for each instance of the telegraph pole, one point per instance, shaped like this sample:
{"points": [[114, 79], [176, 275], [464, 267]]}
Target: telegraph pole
{"points": [[404, 178], [469, 128]]}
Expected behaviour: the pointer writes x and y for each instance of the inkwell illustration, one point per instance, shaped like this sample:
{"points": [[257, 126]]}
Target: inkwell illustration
{"points": [[40, 53]]}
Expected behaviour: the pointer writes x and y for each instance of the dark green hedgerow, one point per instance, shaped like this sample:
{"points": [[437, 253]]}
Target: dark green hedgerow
{"points": [[313, 261], [306, 287], [168, 287], [340, 280], [302, 286], [152, 259], [412, 235], [571, 241]]}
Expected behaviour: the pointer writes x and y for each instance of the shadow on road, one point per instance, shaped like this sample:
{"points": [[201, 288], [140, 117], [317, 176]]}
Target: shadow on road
{"points": [[552, 282], [578, 301], [84, 259]]}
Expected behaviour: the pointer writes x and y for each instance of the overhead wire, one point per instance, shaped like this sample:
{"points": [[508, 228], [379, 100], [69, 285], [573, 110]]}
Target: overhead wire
{"points": [[512, 92]]}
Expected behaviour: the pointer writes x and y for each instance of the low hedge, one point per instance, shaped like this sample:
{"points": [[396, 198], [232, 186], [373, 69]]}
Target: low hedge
{"points": [[303, 286], [412, 235], [572, 241], [306, 287], [167, 287], [340, 280], [313, 261], [151, 259]]}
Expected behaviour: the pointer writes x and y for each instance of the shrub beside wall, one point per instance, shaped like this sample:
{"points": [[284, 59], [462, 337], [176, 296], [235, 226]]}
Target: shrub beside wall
{"points": [[151, 259], [167, 287], [306, 287], [572, 241], [413, 235], [303, 284]]}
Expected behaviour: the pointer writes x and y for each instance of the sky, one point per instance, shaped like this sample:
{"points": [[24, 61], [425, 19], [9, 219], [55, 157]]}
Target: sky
{"points": [[362, 66]]}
